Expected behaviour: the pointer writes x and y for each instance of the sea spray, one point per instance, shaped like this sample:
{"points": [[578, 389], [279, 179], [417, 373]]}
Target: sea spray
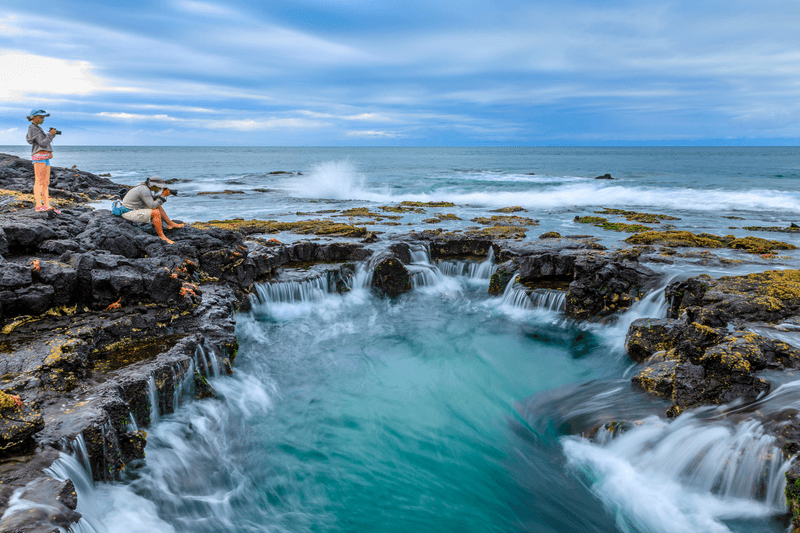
{"points": [[333, 179]]}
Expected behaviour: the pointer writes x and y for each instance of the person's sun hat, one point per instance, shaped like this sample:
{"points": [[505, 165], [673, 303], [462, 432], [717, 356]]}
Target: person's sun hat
{"points": [[156, 181], [38, 112]]}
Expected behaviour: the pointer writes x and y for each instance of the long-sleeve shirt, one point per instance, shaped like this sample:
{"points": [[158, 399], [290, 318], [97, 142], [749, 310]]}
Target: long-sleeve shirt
{"points": [[38, 139], [140, 197]]}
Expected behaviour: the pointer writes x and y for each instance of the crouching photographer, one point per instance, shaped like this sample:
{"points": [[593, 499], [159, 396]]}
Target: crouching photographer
{"points": [[143, 204]]}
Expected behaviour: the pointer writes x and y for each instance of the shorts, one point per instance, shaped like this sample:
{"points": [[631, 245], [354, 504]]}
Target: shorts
{"points": [[140, 216], [42, 157]]}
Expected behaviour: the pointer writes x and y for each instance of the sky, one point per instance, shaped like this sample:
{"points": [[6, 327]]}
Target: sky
{"points": [[411, 73]]}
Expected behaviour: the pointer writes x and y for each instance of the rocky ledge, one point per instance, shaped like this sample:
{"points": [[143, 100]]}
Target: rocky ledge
{"points": [[105, 327]]}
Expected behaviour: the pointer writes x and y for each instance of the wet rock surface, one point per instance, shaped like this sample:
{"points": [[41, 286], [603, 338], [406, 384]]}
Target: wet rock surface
{"points": [[99, 316], [716, 358]]}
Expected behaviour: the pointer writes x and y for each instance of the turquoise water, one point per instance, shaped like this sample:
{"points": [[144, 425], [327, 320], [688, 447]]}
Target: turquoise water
{"points": [[448, 409]]}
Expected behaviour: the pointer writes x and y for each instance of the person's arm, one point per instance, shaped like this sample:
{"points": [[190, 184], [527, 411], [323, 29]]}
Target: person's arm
{"points": [[38, 136], [140, 198], [148, 200]]}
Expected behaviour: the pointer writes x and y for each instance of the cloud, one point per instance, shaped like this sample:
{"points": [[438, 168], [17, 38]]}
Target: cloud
{"points": [[135, 116], [371, 117], [268, 124], [202, 8], [373, 133], [6, 28], [25, 74]]}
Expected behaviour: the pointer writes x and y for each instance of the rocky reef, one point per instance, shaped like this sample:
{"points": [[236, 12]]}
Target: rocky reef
{"points": [[105, 327]]}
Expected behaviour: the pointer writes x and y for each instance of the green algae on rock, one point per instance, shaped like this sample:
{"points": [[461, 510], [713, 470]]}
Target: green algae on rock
{"points": [[303, 227], [757, 245], [604, 223], [427, 204], [550, 235], [648, 218], [512, 221], [676, 239], [776, 229], [401, 209], [512, 209]]}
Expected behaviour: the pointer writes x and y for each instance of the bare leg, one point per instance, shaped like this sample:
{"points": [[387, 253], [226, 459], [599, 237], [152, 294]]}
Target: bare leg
{"points": [[170, 224], [39, 172], [156, 219], [46, 190]]}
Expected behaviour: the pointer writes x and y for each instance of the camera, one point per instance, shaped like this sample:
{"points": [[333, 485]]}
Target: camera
{"points": [[58, 132], [173, 192]]}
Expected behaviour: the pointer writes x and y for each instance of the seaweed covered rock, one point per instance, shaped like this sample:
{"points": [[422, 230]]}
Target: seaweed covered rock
{"points": [[647, 336], [767, 296], [657, 379], [704, 365], [676, 239]]}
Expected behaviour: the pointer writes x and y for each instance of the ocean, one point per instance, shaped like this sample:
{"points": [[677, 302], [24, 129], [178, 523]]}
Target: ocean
{"points": [[447, 409]]}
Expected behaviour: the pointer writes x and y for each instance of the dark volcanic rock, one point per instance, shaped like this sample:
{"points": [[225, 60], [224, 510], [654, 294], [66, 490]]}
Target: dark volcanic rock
{"points": [[502, 276], [18, 426], [793, 493], [448, 248], [391, 277], [401, 251], [607, 284], [17, 174], [647, 336]]}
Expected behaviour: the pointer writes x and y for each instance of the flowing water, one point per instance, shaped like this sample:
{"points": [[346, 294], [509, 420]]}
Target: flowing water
{"points": [[448, 409]]}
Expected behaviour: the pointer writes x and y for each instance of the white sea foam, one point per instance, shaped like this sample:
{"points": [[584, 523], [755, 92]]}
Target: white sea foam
{"points": [[341, 180], [684, 475]]}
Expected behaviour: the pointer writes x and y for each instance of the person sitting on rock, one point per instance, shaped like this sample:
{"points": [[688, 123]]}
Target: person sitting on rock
{"points": [[144, 202]]}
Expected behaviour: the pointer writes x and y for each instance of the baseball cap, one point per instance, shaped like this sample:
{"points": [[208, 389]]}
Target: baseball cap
{"points": [[39, 112]]}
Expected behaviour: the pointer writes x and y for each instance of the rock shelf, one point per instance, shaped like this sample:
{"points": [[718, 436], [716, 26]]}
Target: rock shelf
{"points": [[105, 327]]}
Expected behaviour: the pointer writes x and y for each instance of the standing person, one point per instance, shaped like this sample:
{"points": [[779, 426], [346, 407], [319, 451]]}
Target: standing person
{"points": [[41, 153], [143, 204]]}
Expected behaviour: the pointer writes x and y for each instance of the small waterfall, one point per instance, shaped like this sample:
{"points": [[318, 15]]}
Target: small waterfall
{"points": [[81, 453], [424, 275], [420, 255], [362, 278], [520, 297], [686, 474], [131, 426], [485, 268], [208, 359], [200, 361], [469, 269], [549, 300], [312, 290], [153, 393], [182, 385], [75, 467]]}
